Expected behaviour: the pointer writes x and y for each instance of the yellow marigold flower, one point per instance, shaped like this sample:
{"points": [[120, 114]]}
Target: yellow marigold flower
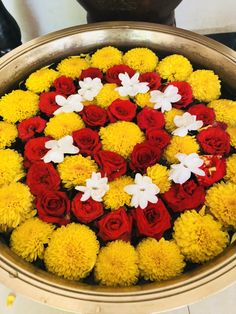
{"points": [[107, 95], [220, 199], [8, 134], [11, 166], [205, 85], [117, 265], [185, 145], [169, 118], [29, 239], [18, 105], [116, 197], [63, 124], [141, 59], [72, 252], [159, 175], [200, 238], [143, 100], [74, 170], [232, 133], [106, 57], [225, 111], [73, 66], [41, 80], [231, 168], [174, 68], [121, 137], [15, 205], [159, 260]]}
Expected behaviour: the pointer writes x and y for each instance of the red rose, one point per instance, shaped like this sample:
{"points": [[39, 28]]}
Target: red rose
{"points": [[86, 211], [64, 85], [214, 141], [160, 138], [111, 164], [153, 220], [35, 150], [214, 168], [186, 93], [87, 140], [123, 110], [42, 177], [94, 115], [202, 112], [220, 125], [149, 118], [112, 75], [115, 225], [144, 155], [47, 103], [92, 73], [184, 196], [152, 78], [27, 128], [54, 207]]}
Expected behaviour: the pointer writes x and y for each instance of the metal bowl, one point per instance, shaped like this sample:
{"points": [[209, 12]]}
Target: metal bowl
{"points": [[41, 286]]}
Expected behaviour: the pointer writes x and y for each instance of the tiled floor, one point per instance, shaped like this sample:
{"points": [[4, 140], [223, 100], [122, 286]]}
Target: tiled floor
{"points": [[221, 303]]}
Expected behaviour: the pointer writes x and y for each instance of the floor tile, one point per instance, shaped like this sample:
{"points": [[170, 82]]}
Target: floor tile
{"points": [[221, 303]]}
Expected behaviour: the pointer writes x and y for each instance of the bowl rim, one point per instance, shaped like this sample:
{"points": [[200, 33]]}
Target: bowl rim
{"points": [[206, 279]]}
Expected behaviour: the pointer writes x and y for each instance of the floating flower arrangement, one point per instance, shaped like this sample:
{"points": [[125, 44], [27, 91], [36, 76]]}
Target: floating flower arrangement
{"points": [[117, 167]]}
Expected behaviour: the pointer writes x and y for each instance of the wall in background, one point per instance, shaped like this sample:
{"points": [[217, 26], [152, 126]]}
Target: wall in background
{"points": [[38, 17]]}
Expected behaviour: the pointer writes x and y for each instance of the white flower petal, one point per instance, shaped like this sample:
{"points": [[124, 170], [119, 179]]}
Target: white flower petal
{"points": [[180, 174], [143, 202], [196, 125], [80, 188], [131, 86], [54, 156], [153, 199], [178, 120], [130, 189], [199, 172], [51, 144], [182, 131], [134, 201], [68, 139], [58, 111], [175, 98], [123, 91], [186, 123], [89, 88], [96, 187], [142, 191], [165, 99], [85, 196], [60, 100]]}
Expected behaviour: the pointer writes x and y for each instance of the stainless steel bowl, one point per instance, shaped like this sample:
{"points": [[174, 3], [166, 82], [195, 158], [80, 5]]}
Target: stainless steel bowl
{"points": [[41, 286]]}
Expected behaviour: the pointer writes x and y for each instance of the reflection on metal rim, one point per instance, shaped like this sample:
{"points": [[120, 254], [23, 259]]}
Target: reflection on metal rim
{"points": [[82, 298]]}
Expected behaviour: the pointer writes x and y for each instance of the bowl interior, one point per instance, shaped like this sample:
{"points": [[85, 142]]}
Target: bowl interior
{"points": [[44, 287]]}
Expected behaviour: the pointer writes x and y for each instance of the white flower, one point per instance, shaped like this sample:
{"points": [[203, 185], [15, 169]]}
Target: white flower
{"points": [[165, 99], [181, 172], [143, 191], [186, 123], [131, 86], [70, 104], [89, 88], [57, 149], [96, 187]]}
